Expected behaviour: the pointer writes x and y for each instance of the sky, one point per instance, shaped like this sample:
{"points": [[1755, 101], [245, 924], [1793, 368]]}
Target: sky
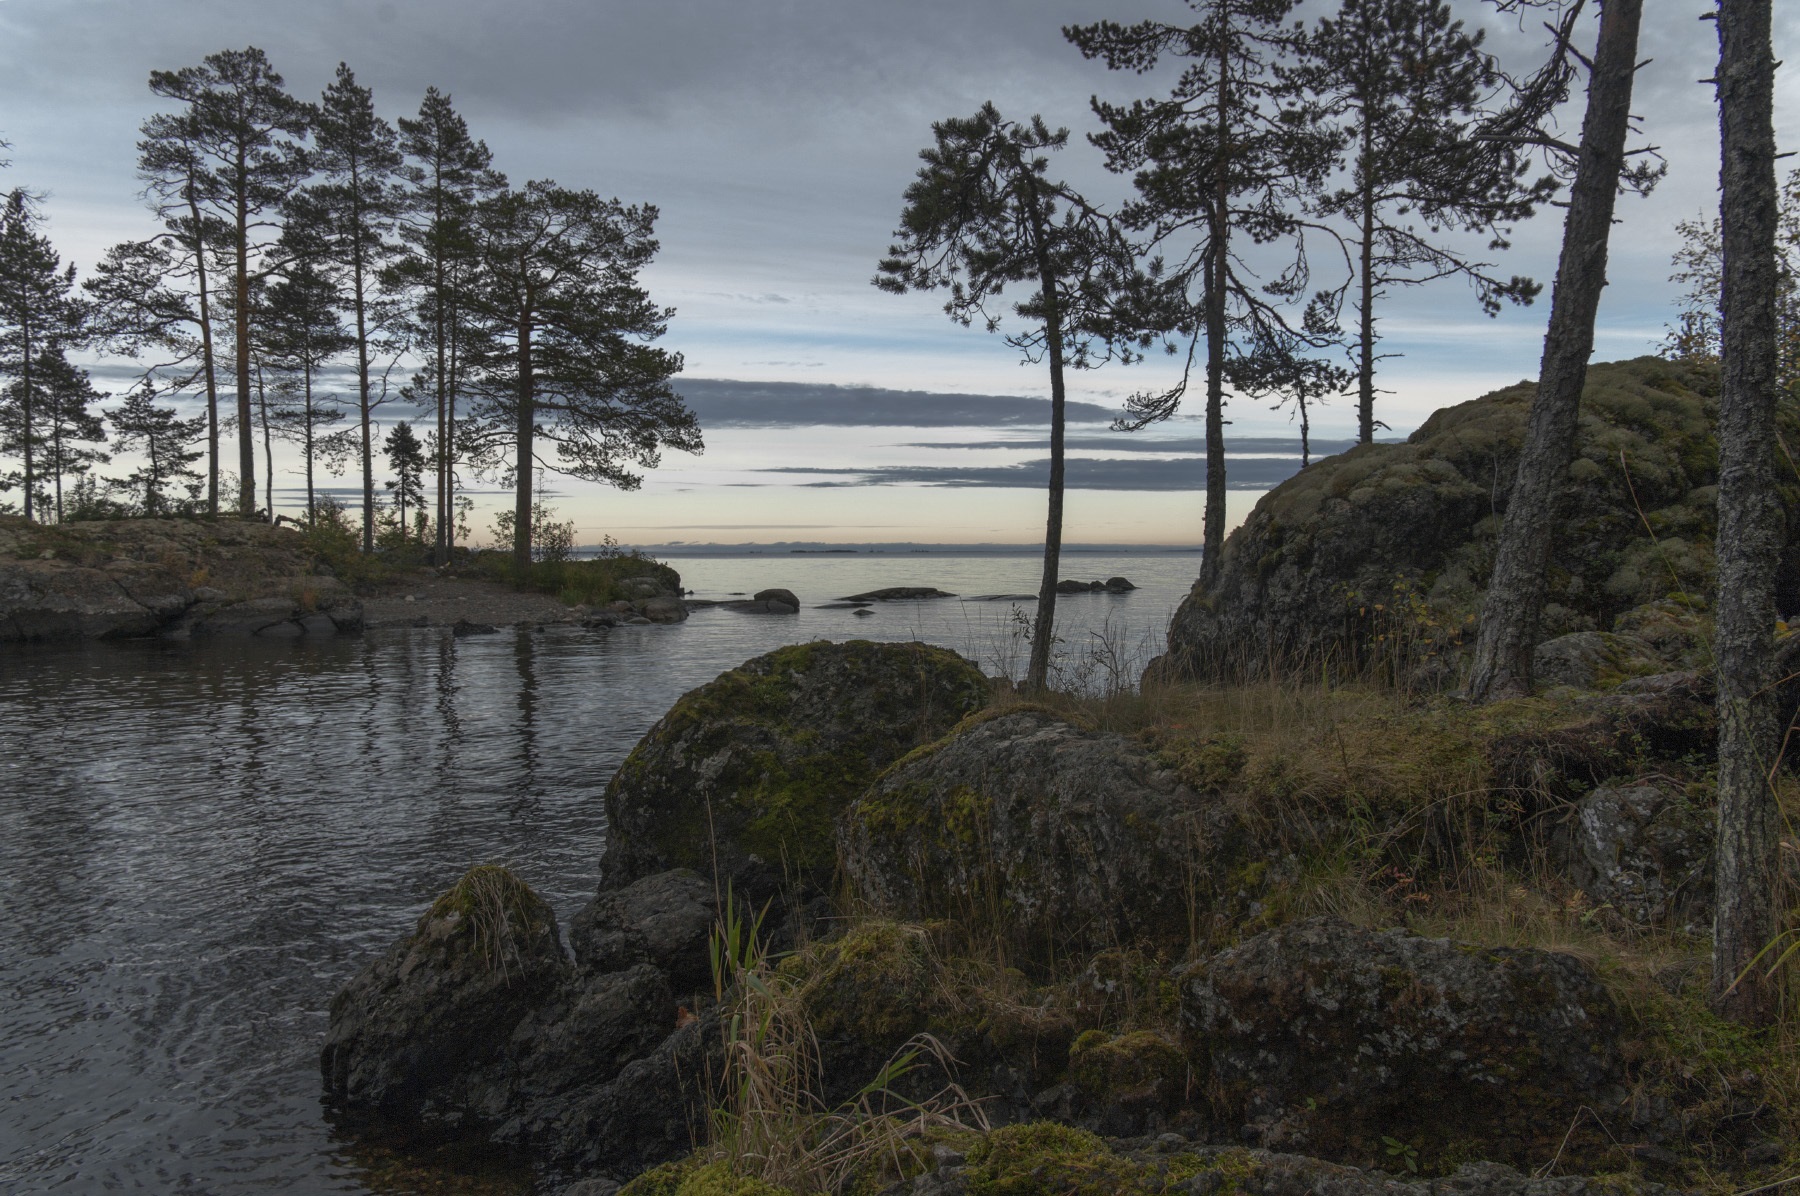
{"points": [[776, 138]]}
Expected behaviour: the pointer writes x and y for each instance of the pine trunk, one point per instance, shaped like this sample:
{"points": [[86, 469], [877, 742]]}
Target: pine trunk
{"points": [[1515, 597], [26, 419], [522, 499], [1751, 521], [246, 427], [362, 370], [1043, 631], [208, 362], [1365, 366], [1217, 269]]}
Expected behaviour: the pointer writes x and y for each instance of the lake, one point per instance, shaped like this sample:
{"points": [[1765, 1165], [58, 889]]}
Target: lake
{"points": [[199, 844]]}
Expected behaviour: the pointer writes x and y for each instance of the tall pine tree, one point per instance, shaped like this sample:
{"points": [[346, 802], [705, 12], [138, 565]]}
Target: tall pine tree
{"points": [[39, 314], [1516, 590], [356, 204], [303, 334], [1227, 158], [447, 173], [1405, 85], [157, 297], [243, 130], [572, 366], [984, 214]]}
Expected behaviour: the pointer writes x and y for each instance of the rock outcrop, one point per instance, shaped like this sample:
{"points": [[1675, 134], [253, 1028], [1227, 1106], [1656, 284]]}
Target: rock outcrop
{"points": [[1383, 551], [1328, 1038], [1643, 850], [477, 1024], [177, 578], [1073, 840], [744, 777]]}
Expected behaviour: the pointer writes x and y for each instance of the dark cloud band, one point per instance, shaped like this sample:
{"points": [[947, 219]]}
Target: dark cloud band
{"points": [[1084, 473]]}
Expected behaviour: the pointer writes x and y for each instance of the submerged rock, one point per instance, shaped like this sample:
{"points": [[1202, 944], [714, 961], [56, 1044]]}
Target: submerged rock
{"points": [[1072, 840], [743, 778], [1328, 1038]]}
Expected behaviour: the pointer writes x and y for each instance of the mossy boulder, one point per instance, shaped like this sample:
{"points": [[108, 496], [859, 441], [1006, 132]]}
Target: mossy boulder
{"points": [[1380, 555], [1643, 850], [1059, 839], [1332, 1039], [742, 780], [409, 1031]]}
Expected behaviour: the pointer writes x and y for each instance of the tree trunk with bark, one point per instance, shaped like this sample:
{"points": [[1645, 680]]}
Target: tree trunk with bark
{"points": [[1752, 525], [1043, 631], [1217, 270], [524, 429], [1515, 597], [246, 426]]}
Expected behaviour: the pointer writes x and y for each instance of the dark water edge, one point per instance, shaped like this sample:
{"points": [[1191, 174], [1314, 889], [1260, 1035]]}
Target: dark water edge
{"points": [[200, 844]]}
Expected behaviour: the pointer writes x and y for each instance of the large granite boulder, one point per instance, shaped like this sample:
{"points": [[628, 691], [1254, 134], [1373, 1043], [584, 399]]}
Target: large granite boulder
{"points": [[1071, 840], [178, 578], [743, 778], [1325, 1037], [665, 919], [1383, 551], [411, 1032], [1645, 850]]}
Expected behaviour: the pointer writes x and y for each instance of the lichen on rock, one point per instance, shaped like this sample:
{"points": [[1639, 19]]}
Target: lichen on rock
{"points": [[1061, 840], [1329, 1038]]}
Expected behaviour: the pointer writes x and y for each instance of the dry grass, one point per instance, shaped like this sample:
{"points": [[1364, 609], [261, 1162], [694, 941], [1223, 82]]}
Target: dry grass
{"points": [[499, 910], [771, 1122]]}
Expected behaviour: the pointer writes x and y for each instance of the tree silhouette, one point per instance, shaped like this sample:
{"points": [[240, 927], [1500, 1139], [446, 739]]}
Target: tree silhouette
{"points": [[1232, 151], [39, 314], [984, 214], [571, 363]]}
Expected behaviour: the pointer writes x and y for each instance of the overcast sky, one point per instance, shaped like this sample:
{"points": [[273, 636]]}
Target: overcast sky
{"points": [[776, 137]]}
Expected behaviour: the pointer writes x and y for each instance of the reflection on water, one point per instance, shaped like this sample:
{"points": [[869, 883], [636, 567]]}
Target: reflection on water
{"points": [[199, 845]]}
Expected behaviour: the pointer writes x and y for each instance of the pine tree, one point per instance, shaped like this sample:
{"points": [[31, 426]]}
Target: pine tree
{"points": [[447, 173], [157, 297], [1232, 152], [1405, 85], [983, 214], [572, 364], [39, 314], [1752, 524], [406, 458], [303, 334], [69, 430], [1699, 263], [162, 438], [240, 129], [357, 154], [1516, 591]]}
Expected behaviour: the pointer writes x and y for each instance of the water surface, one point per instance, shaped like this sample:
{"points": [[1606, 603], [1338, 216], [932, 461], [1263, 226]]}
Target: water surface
{"points": [[199, 844]]}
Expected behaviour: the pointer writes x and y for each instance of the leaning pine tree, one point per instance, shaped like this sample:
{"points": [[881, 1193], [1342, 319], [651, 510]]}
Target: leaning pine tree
{"points": [[1515, 598], [984, 214]]}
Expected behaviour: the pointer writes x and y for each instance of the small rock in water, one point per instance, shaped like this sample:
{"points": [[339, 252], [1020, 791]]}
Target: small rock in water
{"points": [[862, 612], [464, 627], [898, 594]]}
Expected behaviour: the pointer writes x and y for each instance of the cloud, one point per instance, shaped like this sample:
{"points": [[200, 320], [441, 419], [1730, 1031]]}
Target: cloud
{"points": [[1083, 473], [722, 403], [1126, 442]]}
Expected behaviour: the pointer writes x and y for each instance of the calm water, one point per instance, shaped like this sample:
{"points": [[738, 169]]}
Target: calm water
{"points": [[199, 845]]}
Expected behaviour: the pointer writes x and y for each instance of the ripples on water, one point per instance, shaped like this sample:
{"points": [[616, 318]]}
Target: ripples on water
{"points": [[200, 845]]}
